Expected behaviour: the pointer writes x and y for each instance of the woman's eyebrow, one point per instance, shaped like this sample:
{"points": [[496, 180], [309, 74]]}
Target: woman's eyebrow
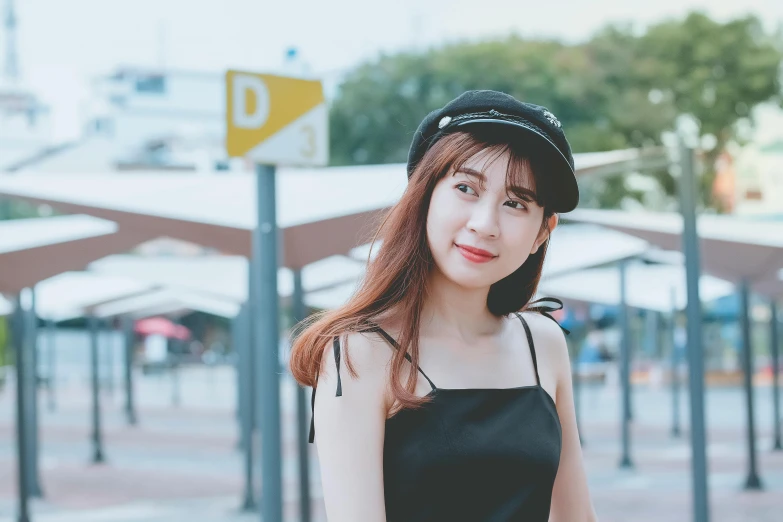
{"points": [[472, 173], [521, 192], [524, 193]]}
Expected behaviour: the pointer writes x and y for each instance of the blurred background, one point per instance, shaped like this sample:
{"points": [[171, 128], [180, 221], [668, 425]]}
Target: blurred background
{"points": [[125, 231]]}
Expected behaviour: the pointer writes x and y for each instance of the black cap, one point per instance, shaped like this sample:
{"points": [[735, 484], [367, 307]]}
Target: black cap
{"points": [[534, 122]]}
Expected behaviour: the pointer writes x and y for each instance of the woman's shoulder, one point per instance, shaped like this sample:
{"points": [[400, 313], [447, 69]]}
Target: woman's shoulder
{"points": [[356, 363], [543, 327], [363, 352], [549, 341]]}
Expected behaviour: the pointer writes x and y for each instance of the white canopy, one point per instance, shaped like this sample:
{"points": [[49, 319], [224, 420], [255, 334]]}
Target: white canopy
{"points": [[321, 212], [575, 247], [731, 248], [648, 286], [25, 234], [66, 296], [6, 307], [225, 276], [32, 250], [331, 298], [166, 301]]}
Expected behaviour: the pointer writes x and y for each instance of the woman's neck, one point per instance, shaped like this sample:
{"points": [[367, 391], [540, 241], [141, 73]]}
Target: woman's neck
{"points": [[452, 310]]}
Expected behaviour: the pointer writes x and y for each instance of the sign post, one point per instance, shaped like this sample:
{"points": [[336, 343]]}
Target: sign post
{"points": [[271, 120]]}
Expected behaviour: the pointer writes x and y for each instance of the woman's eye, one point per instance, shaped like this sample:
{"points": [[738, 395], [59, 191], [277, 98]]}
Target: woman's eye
{"points": [[466, 189], [516, 204]]}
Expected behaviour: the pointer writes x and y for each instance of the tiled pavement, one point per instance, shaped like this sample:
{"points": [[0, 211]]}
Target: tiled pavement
{"points": [[181, 464]]}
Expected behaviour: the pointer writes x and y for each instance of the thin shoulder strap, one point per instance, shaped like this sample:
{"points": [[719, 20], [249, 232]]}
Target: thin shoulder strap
{"points": [[312, 417], [336, 348], [543, 307], [377, 329], [531, 346]]}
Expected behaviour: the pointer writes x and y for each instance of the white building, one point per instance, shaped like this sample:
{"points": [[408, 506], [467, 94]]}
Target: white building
{"points": [[759, 184], [759, 167], [25, 124], [162, 119]]}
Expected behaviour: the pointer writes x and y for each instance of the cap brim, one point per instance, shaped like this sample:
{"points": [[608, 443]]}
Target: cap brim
{"points": [[565, 192]]}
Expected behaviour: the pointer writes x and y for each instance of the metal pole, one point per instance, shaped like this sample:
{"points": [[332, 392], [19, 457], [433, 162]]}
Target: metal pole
{"points": [[108, 369], [174, 359], [22, 361], [303, 416], [238, 342], [31, 345], [128, 338], [97, 442], [625, 367], [675, 360], [775, 351], [244, 348], [239, 366], [176, 396], [753, 481], [266, 318], [576, 377], [52, 382], [695, 346], [632, 342]]}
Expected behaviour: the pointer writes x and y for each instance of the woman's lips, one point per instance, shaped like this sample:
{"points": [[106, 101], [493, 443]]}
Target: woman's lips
{"points": [[475, 255]]}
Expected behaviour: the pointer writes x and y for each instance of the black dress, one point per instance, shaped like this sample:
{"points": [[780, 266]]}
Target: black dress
{"points": [[477, 455]]}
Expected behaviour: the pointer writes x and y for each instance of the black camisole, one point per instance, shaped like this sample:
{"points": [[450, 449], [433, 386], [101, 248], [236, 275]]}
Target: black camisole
{"points": [[475, 454]]}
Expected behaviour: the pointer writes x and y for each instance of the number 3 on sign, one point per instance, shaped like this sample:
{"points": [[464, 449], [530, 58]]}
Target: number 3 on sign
{"points": [[309, 149]]}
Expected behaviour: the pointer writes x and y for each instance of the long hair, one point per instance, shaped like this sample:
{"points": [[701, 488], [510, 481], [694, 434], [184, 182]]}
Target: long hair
{"points": [[396, 281]]}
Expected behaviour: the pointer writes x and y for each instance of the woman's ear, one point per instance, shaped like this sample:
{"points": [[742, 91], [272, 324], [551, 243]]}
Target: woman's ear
{"points": [[547, 228]]}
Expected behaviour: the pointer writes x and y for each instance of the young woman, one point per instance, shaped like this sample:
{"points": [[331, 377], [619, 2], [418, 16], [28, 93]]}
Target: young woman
{"points": [[488, 433]]}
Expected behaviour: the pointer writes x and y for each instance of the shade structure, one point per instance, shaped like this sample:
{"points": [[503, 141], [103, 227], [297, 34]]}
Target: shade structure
{"points": [[321, 212], [67, 296], [732, 248], [650, 287], [772, 287], [747, 252], [330, 298], [32, 250], [615, 161], [576, 247], [6, 306], [225, 276], [165, 301]]}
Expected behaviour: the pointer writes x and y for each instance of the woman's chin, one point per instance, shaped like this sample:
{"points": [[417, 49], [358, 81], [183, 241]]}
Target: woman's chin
{"points": [[468, 279]]}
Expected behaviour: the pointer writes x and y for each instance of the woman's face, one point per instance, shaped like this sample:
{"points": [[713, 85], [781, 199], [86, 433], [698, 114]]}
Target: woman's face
{"points": [[478, 229]]}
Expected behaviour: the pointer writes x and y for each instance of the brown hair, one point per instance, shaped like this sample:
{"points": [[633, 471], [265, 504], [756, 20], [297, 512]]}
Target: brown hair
{"points": [[396, 280]]}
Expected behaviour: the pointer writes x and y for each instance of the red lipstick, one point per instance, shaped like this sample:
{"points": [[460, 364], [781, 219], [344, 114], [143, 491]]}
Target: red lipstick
{"points": [[476, 255]]}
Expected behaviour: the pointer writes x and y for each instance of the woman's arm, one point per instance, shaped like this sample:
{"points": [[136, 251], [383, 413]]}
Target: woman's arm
{"points": [[570, 497], [349, 431]]}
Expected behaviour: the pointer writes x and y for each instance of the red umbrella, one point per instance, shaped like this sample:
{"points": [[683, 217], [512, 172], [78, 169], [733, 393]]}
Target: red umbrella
{"points": [[161, 326]]}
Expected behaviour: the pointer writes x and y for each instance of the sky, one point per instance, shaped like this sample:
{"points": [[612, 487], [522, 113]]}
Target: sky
{"points": [[64, 43]]}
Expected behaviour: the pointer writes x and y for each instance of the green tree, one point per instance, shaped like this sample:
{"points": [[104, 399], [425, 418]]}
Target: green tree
{"points": [[381, 103], [617, 90], [715, 72]]}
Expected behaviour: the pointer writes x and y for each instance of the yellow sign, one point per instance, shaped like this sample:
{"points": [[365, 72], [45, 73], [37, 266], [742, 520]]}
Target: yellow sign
{"points": [[276, 120]]}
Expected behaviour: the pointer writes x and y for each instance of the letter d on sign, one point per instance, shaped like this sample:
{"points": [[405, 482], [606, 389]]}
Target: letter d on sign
{"points": [[241, 84]]}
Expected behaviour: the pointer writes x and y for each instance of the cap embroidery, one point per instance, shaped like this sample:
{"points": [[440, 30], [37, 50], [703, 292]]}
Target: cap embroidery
{"points": [[551, 117]]}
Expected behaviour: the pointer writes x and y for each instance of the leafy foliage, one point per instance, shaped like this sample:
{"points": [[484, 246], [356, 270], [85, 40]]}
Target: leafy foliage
{"points": [[617, 90]]}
